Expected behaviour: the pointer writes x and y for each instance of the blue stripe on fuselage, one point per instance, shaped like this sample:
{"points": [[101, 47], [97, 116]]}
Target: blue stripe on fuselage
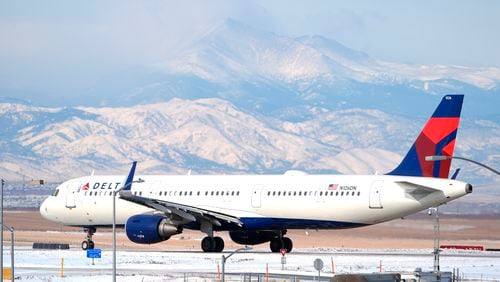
{"points": [[267, 223]]}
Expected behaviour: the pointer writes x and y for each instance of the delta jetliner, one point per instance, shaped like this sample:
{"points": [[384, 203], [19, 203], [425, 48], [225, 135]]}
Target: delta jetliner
{"points": [[256, 209]]}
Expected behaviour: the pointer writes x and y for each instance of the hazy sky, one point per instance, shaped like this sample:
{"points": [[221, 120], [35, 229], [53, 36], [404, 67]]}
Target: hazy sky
{"points": [[61, 46]]}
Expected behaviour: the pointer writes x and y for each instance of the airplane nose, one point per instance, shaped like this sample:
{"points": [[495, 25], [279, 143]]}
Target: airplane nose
{"points": [[44, 209]]}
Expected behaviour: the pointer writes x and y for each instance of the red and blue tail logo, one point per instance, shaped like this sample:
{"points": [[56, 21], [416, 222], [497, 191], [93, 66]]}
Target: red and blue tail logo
{"points": [[437, 138]]}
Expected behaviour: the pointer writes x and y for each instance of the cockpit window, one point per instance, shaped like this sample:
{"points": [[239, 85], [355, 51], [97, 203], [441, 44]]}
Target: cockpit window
{"points": [[55, 193]]}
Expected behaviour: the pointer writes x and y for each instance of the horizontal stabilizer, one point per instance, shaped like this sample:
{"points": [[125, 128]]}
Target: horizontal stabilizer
{"points": [[416, 188]]}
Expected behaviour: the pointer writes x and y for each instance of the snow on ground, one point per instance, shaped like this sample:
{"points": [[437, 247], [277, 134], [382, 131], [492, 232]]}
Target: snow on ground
{"points": [[45, 265]]}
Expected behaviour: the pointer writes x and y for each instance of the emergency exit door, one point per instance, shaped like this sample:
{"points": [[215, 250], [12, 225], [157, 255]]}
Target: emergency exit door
{"points": [[376, 194]]}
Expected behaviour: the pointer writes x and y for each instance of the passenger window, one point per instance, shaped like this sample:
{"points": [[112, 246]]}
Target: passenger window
{"points": [[232, 193], [321, 193], [238, 193], [197, 194], [352, 194], [359, 193], [279, 193], [342, 194]]}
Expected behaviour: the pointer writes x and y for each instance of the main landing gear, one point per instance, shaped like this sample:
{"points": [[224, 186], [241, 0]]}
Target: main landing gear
{"points": [[280, 242], [212, 244], [88, 243]]}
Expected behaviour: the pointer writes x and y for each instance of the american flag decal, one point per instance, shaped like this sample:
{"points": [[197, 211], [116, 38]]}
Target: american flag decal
{"points": [[333, 186]]}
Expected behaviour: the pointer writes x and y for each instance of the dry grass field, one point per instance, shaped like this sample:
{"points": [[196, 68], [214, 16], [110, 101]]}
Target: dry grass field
{"points": [[414, 232]]}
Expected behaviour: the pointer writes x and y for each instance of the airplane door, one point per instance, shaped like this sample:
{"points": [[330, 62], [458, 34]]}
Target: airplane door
{"points": [[375, 193], [256, 196], [71, 194]]}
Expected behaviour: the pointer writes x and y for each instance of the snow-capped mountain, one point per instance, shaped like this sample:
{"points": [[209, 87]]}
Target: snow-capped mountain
{"points": [[212, 136], [284, 77], [233, 52]]}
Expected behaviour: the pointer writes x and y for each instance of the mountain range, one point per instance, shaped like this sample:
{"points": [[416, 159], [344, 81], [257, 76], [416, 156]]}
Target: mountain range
{"points": [[243, 100], [284, 77]]}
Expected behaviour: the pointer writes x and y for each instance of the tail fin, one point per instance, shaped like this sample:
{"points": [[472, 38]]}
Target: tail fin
{"points": [[437, 138]]}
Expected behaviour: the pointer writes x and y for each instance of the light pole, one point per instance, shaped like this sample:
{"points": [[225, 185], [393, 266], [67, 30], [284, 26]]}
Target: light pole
{"points": [[435, 211], [114, 235], [128, 181], [1, 231], [11, 229], [442, 158], [224, 259]]}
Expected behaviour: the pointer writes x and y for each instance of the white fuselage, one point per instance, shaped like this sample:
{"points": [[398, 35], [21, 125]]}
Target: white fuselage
{"points": [[293, 201]]}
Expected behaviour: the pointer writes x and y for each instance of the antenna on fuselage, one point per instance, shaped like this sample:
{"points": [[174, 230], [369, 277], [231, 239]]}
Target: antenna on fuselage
{"points": [[92, 173], [189, 172]]}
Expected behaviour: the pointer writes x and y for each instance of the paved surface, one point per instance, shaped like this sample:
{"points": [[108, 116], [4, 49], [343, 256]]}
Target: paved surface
{"points": [[415, 232]]}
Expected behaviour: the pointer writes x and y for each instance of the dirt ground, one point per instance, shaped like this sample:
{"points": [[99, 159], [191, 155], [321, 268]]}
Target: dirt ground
{"points": [[414, 232]]}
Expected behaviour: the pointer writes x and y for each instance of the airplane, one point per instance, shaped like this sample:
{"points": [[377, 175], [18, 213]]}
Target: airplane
{"points": [[258, 209]]}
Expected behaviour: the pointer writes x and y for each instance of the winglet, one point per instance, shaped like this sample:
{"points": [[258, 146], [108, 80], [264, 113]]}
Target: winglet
{"points": [[454, 176], [130, 178]]}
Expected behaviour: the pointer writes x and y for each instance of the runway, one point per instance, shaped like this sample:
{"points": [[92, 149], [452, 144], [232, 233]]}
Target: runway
{"points": [[399, 245], [43, 265]]}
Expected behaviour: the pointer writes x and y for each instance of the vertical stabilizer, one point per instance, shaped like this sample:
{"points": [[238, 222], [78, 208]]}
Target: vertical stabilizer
{"points": [[437, 138]]}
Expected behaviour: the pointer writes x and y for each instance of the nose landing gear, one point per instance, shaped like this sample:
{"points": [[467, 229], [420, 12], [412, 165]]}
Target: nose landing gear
{"points": [[88, 244]]}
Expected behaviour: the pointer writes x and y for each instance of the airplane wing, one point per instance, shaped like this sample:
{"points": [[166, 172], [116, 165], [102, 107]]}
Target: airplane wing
{"points": [[186, 212]]}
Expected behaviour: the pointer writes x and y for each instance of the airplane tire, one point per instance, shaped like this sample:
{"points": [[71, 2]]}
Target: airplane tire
{"points": [[219, 244], [288, 244], [208, 244], [275, 245], [87, 245]]}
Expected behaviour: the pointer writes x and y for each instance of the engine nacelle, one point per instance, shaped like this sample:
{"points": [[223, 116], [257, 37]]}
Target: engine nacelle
{"points": [[252, 237], [150, 229]]}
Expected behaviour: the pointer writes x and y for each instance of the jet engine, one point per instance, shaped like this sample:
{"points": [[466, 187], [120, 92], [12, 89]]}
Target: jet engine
{"points": [[150, 229]]}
